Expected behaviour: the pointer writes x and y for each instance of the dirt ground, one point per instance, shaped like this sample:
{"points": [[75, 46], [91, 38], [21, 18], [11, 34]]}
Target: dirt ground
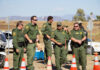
{"points": [[39, 65]]}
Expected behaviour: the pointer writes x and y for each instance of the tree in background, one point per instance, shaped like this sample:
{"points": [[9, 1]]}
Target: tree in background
{"points": [[90, 16], [80, 15], [98, 18]]}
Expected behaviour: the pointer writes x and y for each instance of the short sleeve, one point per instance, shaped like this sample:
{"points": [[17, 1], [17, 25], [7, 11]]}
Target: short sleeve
{"points": [[71, 33], [38, 33], [83, 34], [67, 36], [15, 42], [43, 30], [26, 29], [53, 34]]}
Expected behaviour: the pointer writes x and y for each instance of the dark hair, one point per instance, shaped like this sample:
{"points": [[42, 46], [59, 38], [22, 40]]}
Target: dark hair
{"points": [[19, 23], [49, 18], [81, 26], [32, 18], [76, 23]]}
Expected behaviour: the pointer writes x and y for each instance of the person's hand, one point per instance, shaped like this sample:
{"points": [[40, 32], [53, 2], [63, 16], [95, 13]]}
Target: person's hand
{"points": [[79, 42], [48, 36], [24, 49], [38, 45], [59, 43], [17, 50], [30, 41], [37, 40]]}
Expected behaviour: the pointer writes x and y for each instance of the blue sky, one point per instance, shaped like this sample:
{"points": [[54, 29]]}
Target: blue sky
{"points": [[47, 7]]}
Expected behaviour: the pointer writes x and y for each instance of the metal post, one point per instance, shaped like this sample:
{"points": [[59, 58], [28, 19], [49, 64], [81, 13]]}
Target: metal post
{"points": [[8, 33], [91, 37], [90, 28]]}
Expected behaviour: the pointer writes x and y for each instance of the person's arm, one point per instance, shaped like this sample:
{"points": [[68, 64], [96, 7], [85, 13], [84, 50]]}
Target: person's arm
{"points": [[48, 36], [84, 38], [74, 40], [26, 29], [44, 31], [15, 42], [37, 38], [38, 35], [27, 37], [52, 39], [14, 33]]}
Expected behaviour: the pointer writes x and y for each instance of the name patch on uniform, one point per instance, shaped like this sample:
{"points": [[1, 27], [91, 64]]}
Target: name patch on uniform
{"points": [[77, 33], [27, 27]]}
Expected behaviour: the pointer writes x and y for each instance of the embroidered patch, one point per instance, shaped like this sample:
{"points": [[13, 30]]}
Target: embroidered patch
{"points": [[14, 33], [44, 26], [52, 33], [63, 32], [80, 33]]}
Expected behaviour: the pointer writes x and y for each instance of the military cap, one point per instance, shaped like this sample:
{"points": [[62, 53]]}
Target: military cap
{"points": [[59, 24]]}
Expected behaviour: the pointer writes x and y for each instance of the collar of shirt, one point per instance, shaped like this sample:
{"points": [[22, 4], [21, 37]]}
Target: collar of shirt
{"points": [[49, 23], [33, 24], [60, 30], [19, 29]]}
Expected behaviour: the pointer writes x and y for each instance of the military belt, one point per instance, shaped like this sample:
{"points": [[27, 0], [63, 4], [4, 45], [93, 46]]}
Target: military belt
{"points": [[21, 44]]}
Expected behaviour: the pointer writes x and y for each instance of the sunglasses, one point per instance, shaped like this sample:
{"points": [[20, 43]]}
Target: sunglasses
{"points": [[35, 19], [76, 26]]}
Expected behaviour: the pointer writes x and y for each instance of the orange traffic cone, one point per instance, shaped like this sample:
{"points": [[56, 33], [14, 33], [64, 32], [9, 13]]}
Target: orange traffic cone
{"points": [[73, 66], [6, 65], [49, 66], [96, 62], [23, 66]]}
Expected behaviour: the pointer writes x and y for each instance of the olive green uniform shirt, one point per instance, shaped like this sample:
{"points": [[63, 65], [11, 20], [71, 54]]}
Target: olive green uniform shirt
{"points": [[31, 30], [18, 36], [59, 36], [46, 29], [77, 34]]}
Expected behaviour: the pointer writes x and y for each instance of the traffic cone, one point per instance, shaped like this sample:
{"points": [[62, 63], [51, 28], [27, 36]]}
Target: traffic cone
{"points": [[73, 66], [6, 65], [96, 62], [23, 66], [49, 66]]}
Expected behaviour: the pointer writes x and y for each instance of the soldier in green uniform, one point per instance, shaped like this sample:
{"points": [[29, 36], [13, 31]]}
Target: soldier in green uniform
{"points": [[86, 33], [32, 36], [59, 38], [65, 28], [78, 37], [46, 31], [18, 45]]}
